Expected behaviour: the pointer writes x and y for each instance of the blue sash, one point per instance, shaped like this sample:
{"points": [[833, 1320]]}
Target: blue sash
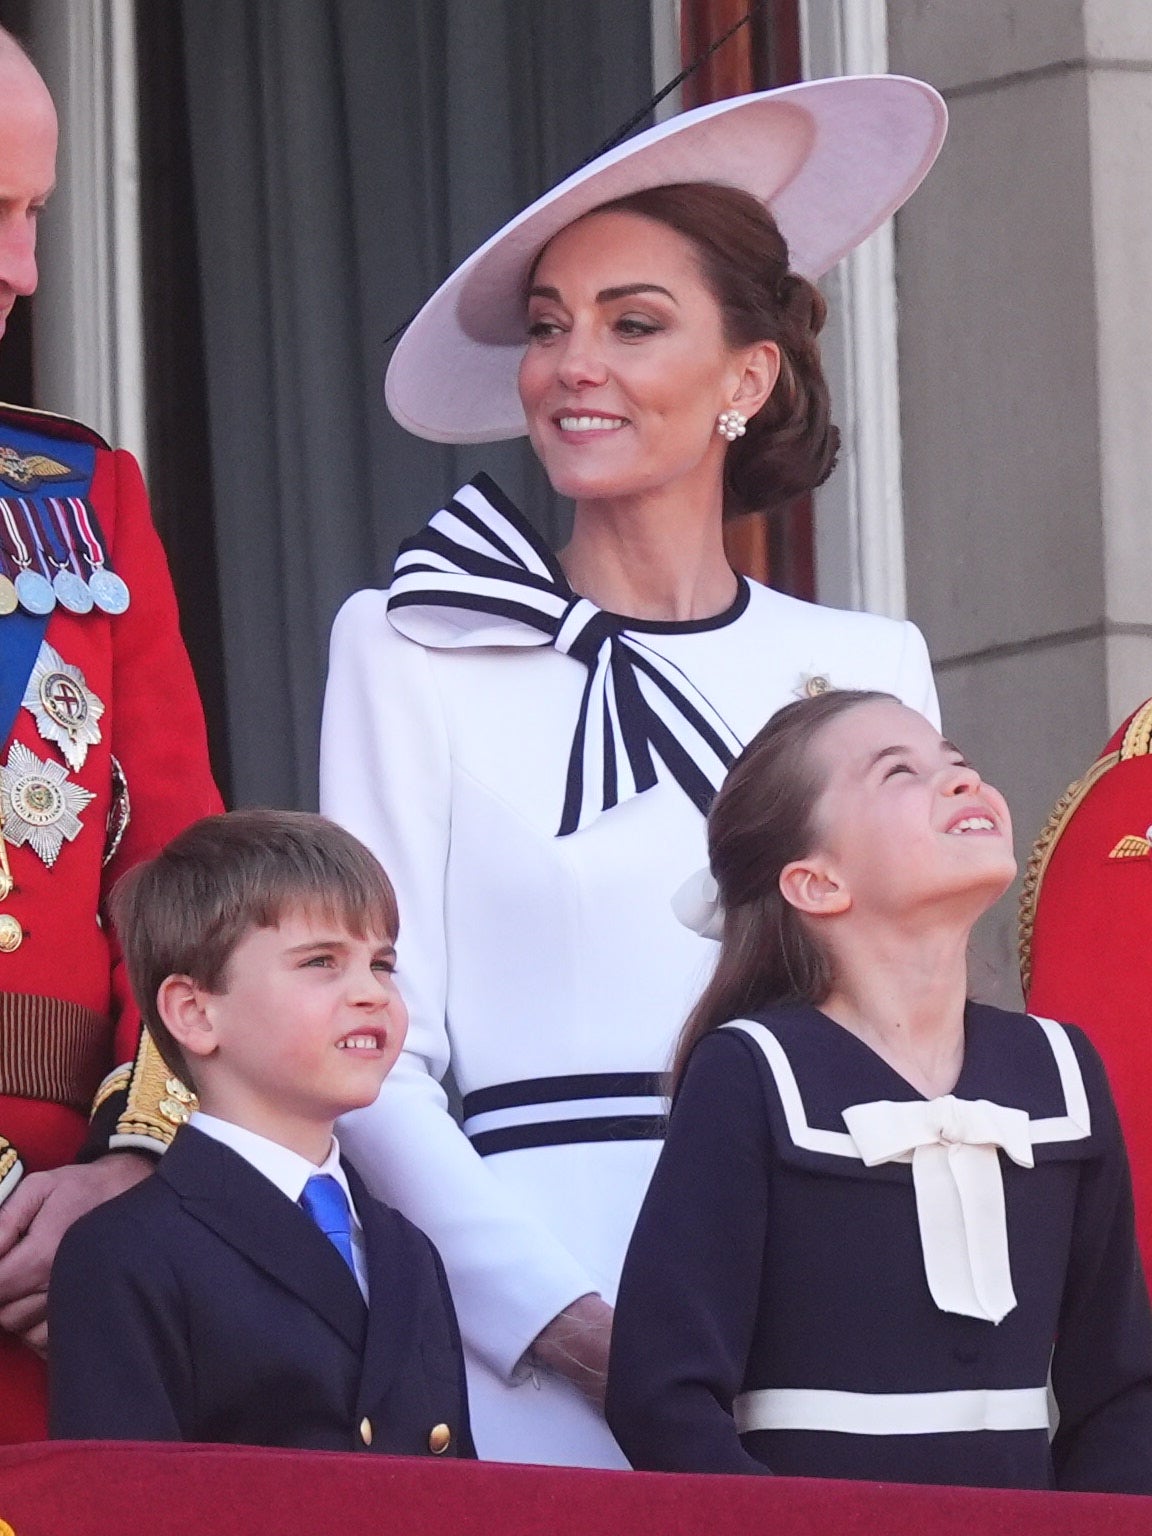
{"points": [[21, 633]]}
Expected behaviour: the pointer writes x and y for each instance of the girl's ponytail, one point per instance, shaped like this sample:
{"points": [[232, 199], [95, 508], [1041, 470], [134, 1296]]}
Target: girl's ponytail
{"points": [[763, 819]]}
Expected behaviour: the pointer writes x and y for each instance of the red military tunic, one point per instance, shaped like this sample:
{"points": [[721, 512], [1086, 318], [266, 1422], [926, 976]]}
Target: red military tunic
{"points": [[67, 1019], [1086, 932]]}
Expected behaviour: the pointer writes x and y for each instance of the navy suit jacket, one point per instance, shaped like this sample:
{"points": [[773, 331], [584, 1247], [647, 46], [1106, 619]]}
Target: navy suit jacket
{"points": [[204, 1305]]}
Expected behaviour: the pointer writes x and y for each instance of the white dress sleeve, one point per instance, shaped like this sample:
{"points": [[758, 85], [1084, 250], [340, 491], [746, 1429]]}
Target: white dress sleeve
{"points": [[915, 683], [386, 775]]}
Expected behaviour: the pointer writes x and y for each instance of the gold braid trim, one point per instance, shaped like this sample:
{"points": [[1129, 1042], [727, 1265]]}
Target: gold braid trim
{"points": [[1138, 736], [116, 1081], [11, 1169], [1042, 850], [158, 1103]]}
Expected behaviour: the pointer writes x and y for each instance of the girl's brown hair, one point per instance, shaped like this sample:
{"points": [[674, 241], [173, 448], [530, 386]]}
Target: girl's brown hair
{"points": [[790, 445], [764, 818]]}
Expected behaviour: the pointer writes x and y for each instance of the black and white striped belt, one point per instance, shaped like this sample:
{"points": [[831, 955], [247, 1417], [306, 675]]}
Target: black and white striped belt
{"points": [[556, 1111]]}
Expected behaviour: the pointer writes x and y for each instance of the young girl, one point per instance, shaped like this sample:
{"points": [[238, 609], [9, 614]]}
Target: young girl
{"points": [[885, 1217]]}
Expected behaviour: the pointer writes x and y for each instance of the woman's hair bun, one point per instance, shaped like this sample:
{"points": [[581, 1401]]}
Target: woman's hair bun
{"points": [[803, 303], [790, 445]]}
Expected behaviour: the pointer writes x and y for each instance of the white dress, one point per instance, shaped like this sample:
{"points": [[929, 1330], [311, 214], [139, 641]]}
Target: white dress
{"points": [[528, 956]]}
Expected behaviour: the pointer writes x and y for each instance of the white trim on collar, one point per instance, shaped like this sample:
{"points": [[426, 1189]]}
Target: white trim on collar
{"points": [[1076, 1121], [1073, 1125], [838, 1143], [954, 1148]]}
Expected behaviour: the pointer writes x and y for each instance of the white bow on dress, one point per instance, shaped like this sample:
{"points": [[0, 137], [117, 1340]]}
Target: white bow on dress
{"points": [[480, 575], [952, 1146]]}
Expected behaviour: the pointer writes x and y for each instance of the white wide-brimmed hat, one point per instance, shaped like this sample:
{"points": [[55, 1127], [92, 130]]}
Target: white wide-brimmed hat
{"points": [[832, 158]]}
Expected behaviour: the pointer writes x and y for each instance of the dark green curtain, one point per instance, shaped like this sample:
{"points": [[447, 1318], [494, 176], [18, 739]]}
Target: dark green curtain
{"points": [[345, 155]]}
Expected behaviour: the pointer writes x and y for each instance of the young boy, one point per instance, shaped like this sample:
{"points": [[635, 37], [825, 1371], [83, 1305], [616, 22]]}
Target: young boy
{"points": [[252, 1290]]}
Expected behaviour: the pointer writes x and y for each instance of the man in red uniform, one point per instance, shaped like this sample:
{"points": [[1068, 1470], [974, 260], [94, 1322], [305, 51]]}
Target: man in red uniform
{"points": [[1086, 929], [103, 758]]}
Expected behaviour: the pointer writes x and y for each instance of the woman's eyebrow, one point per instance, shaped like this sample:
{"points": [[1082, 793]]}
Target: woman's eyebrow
{"points": [[606, 295], [609, 295]]}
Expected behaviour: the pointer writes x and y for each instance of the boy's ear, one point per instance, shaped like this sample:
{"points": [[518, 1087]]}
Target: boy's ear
{"points": [[814, 888], [180, 1004]]}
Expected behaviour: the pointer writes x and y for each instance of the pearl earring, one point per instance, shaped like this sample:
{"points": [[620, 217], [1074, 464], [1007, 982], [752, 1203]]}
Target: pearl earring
{"points": [[732, 424]]}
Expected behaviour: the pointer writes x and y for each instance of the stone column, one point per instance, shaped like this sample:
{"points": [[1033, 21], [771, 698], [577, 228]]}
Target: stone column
{"points": [[1024, 282], [88, 336]]}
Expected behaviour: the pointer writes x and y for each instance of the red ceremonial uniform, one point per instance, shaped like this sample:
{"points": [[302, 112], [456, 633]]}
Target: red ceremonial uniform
{"points": [[67, 1019], [1086, 932]]}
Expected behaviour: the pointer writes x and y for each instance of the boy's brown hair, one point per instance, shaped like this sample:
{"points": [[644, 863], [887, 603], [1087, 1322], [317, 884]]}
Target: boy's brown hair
{"points": [[184, 912]]}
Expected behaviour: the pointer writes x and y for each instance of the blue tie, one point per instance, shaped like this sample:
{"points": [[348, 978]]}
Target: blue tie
{"points": [[327, 1205]]}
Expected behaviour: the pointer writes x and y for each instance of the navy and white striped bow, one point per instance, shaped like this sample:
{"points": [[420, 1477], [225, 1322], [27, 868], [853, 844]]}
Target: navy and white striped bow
{"points": [[479, 575]]}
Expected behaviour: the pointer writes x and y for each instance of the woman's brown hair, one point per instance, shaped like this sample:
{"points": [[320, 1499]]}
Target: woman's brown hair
{"points": [[790, 445], [764, 818]]}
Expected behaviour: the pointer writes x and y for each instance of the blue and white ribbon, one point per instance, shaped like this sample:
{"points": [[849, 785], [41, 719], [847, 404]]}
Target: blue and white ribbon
{"points": [[479, 575]]}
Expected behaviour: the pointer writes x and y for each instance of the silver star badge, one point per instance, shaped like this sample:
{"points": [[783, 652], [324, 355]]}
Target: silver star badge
{"points": [[65, 709], [39, 804]]}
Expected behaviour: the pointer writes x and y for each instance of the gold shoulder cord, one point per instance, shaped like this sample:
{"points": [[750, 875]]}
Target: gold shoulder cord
{"points": [[1042, 850], [1138, 736], [158, 1103], [1137, 742], [117, 1081]]}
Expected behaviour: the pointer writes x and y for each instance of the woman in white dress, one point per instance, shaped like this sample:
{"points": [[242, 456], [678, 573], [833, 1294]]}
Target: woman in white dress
{"points": [[528, 741]]}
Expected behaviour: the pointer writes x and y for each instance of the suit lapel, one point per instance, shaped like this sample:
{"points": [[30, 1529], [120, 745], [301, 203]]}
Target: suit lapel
{"points": [[391, 1297], [225, 1193]]}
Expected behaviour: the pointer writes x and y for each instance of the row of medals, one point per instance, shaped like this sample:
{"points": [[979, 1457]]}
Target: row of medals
{"points": [[36, 594], [33, 592], [38, 796]]}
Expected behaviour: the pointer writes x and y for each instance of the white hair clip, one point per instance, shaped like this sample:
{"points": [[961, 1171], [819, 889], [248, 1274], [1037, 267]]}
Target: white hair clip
{"points": [[697, 905]]}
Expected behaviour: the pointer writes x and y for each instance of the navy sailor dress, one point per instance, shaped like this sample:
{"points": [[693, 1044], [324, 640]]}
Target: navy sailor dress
{"points": [[832, 1276]]}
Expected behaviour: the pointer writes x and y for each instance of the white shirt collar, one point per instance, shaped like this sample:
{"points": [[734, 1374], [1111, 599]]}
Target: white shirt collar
{"points": [[279, 1164]]}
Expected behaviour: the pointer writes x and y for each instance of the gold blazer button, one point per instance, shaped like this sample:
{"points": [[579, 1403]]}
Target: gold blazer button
{"points": [[439, 1439], [366, 1431], [11, 934]]}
